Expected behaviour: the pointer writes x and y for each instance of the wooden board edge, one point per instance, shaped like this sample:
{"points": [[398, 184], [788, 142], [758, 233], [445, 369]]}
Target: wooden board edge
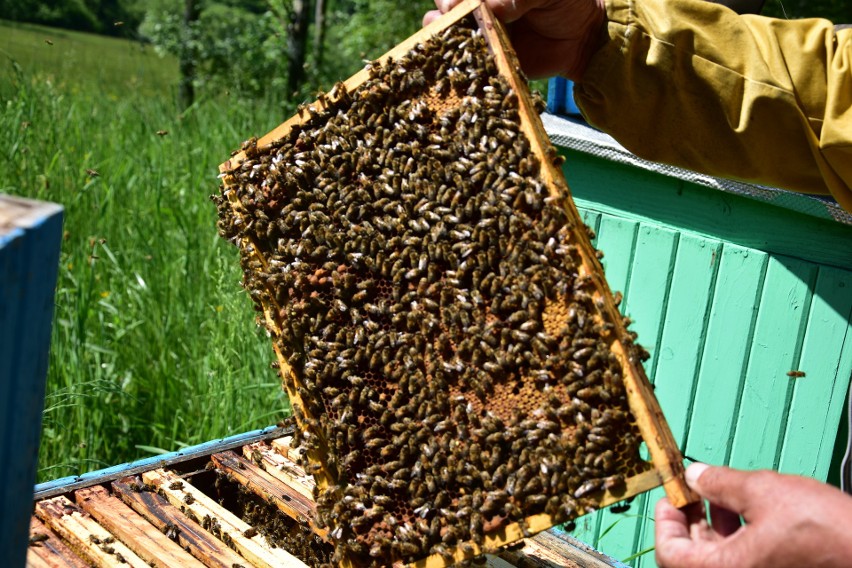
{"points": [[255, 548], [255, 479], [177, 523], [71, 523], [533, 524], [280, 467], [113, 514], [52, 550]]}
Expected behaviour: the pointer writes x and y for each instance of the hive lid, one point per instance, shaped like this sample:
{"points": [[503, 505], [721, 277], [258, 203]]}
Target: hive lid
{"points": [[356, 219]]}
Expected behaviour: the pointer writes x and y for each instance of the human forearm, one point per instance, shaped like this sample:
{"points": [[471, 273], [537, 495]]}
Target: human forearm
{"points": [[693, 84]]}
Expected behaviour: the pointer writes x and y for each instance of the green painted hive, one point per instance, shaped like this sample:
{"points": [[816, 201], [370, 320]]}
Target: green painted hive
{"points": [[736, 291]]}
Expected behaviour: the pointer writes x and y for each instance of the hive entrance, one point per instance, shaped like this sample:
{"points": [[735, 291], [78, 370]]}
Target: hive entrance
{"points": [[450, 360]]}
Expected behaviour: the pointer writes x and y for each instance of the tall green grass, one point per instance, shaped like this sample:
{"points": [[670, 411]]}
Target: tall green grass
{"points": [[154, 343], [74, 61]]}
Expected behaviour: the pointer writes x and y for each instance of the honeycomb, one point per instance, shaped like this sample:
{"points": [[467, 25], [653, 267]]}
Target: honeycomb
{"points": [[448, 359]]}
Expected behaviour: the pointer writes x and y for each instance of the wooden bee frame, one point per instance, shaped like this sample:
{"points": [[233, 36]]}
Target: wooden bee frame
{"points": [[665, 457]]}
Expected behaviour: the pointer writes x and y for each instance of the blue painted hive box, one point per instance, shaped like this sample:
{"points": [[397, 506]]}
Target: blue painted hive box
{"points": [[30, 232]]}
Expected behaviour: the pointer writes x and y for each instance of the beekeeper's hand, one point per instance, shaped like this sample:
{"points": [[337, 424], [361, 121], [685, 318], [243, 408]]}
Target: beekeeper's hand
{"points": [[788, 521], [551, 37]]}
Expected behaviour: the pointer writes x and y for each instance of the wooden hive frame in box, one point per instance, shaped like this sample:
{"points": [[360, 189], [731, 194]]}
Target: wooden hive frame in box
{"points": [[174, 511], [666, 461]]}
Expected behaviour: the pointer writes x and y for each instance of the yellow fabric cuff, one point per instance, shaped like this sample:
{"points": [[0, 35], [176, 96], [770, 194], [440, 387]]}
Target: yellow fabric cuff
{"points": [[692, 84]]}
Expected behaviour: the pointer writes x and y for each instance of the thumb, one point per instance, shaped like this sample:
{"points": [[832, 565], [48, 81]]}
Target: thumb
{"points": [[728, 488]]}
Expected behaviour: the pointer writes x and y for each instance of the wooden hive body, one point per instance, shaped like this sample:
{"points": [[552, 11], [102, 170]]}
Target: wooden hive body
{"points": [[314, 414], [241, 501]]}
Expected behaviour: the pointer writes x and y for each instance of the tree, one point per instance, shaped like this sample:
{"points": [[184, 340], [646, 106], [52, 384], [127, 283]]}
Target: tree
{"points": [[297, 39], [186, 94]]}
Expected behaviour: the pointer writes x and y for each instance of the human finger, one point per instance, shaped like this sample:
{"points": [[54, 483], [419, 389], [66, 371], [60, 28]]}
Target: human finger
{"points": [[431, 16], [724, 522], [510, 10], [728, 488], [445, 6], [541, 56], [670, 522], [505, 10], [674, 542]]}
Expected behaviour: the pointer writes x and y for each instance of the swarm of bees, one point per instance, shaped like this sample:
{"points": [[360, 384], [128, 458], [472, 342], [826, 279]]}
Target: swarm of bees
{"points": [[449, 358]]}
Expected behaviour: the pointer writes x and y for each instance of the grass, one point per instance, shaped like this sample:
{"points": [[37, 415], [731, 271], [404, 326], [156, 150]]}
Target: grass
{"points": [[74, 61], [154, 342]]}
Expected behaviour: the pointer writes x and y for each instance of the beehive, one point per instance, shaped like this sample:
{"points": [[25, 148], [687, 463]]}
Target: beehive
{"points": [[228, 503], [441, 321]]}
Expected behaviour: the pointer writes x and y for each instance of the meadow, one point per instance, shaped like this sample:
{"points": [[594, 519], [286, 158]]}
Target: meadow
{"points": [[155, 344]]}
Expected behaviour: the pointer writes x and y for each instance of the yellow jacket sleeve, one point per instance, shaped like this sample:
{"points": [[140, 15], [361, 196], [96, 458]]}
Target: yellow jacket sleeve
{"points": [[692, 84]]}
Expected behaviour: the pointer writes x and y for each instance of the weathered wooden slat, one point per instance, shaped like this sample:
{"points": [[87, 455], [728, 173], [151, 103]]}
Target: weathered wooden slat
{"points": [[151, 545], [547, 550], [280, 467], [784, 305], [534, 555], [66, 484], [288, 500], [46, 550], [284, 447], [818, 397], [725, 353], [680, 347], [228, 527], [175, 524], [86, 535], [492, 561]]}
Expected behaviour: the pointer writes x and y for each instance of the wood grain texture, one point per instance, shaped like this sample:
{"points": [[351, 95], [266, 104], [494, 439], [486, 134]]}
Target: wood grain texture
{"points": [[817, 403], [679, 352], [287, 499], [764, 404], [638, 194], [49, 552], [726, 348], [713, 342], [120, 520], [281, 467], [618, 236], [256, 549], [85, 535], [171, 521], [67, 484]]}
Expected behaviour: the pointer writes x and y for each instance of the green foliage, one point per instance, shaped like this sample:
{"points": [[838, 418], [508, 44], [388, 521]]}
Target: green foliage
{"points": [[84, 15], [365, 29], [838, 11], [154, 342], [233, 48]]}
